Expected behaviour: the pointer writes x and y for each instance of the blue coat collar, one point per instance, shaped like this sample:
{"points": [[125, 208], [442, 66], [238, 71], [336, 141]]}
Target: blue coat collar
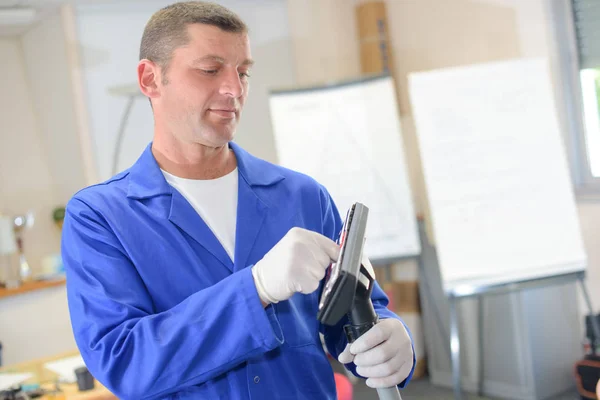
{"points": [[146, 179]]}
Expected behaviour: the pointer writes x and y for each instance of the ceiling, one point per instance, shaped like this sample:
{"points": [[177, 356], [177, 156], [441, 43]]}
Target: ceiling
{"points": [[8, 25]]}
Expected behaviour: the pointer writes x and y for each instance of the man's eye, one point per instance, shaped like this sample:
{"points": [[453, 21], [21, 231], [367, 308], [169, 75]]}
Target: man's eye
{"points": [[210, 71], [244, 75]]}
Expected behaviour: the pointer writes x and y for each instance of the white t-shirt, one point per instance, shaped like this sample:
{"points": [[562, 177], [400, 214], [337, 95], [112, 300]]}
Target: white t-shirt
{"points": [[216, 202]]}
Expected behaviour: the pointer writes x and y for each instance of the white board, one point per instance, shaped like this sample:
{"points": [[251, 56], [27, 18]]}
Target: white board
{"points": [[500, 197], [348, 138]]}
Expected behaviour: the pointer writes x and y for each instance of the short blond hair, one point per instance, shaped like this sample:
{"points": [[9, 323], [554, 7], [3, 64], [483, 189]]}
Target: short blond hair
{"points": [[167, 28]]}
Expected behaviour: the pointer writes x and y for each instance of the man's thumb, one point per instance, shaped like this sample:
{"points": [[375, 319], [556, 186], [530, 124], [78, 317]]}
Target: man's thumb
{"points": [[346, 357]]}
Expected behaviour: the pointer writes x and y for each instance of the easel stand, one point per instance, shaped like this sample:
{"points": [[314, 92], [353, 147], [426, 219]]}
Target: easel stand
{"points": [[456, 295]]}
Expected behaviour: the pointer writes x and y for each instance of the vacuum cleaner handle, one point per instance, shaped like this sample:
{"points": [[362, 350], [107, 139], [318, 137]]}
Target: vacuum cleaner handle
{"points": [[362, 317], [390, 393], [353, 333]]}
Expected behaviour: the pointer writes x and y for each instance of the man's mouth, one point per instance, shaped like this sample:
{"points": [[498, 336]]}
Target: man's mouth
{"points": [[224, 112]]}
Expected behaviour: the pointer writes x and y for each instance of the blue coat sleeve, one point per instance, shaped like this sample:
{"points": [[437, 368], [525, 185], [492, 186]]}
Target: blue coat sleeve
{"points": [[335, 338], [139, 354]]}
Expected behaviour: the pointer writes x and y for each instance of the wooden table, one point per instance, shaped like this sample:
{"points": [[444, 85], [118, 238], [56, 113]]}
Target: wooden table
{"points": [[46, 379]]}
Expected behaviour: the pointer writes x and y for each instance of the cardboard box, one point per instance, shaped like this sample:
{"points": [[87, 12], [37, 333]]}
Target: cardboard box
{"points": [[374, 38], [420, 368], [414, 322], [404, 296]]}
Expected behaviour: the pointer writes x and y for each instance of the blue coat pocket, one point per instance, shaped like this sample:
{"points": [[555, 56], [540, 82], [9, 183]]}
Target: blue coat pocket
{"points": [[298, 319]]}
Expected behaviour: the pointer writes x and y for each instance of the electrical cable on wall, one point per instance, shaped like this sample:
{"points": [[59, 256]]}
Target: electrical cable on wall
{"points": [[121, 134], [131, 91]]}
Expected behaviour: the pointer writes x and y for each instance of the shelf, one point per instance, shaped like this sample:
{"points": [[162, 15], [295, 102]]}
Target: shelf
{"points": [[31, 287]]}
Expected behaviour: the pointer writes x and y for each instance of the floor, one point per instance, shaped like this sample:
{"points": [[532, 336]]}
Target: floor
{"points": [[422, 389]]}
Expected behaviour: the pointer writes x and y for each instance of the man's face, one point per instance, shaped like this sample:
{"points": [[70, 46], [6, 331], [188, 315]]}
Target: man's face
{"points": [[207, 86]]}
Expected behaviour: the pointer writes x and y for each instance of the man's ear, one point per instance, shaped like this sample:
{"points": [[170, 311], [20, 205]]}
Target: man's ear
{"points": [[148, 78]]}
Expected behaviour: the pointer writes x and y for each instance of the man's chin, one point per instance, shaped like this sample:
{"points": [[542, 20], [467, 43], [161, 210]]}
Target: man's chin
{"points": [[221, 138], [218, 134]]}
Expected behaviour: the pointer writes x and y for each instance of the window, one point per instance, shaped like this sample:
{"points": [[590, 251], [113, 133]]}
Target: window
{"points": [[586, 15], [577, 28], [590, 91]]}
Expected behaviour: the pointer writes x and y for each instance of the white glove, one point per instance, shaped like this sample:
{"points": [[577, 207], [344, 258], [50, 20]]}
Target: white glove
{"points": [[384, 354], [297, 263]]}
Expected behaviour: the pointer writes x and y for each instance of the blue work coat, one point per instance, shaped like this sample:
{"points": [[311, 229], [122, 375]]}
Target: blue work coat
{"points": [[158, 308]]}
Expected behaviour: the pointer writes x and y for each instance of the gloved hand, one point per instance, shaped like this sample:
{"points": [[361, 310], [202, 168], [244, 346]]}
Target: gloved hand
{"points": [[297, 263], [384, 354]]}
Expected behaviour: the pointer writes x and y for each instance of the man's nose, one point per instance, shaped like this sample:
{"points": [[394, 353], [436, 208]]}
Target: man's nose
{"points": [[232, 84]]}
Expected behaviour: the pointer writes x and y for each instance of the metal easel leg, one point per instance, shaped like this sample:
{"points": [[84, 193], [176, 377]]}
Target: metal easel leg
{"points": [[588, 301], [455, 348], [428, 294], [481, 344]]}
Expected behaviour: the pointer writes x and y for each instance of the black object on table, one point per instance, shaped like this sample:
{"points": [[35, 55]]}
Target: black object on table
{"points": [[85, 380]]}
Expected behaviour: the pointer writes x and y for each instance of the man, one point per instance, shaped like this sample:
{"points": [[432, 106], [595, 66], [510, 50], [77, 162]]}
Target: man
{"points": [[195, 273]]}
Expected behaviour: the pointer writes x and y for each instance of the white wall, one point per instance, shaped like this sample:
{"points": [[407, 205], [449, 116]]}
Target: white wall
{"points": [[49, 79], [41, 167], [25, 179], [325, 41], [110, 35], [35, 325], [30, 325], [40, 152]]}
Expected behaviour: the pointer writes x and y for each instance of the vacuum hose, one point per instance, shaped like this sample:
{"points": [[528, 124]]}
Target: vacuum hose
{"points": [[363, 317]]}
